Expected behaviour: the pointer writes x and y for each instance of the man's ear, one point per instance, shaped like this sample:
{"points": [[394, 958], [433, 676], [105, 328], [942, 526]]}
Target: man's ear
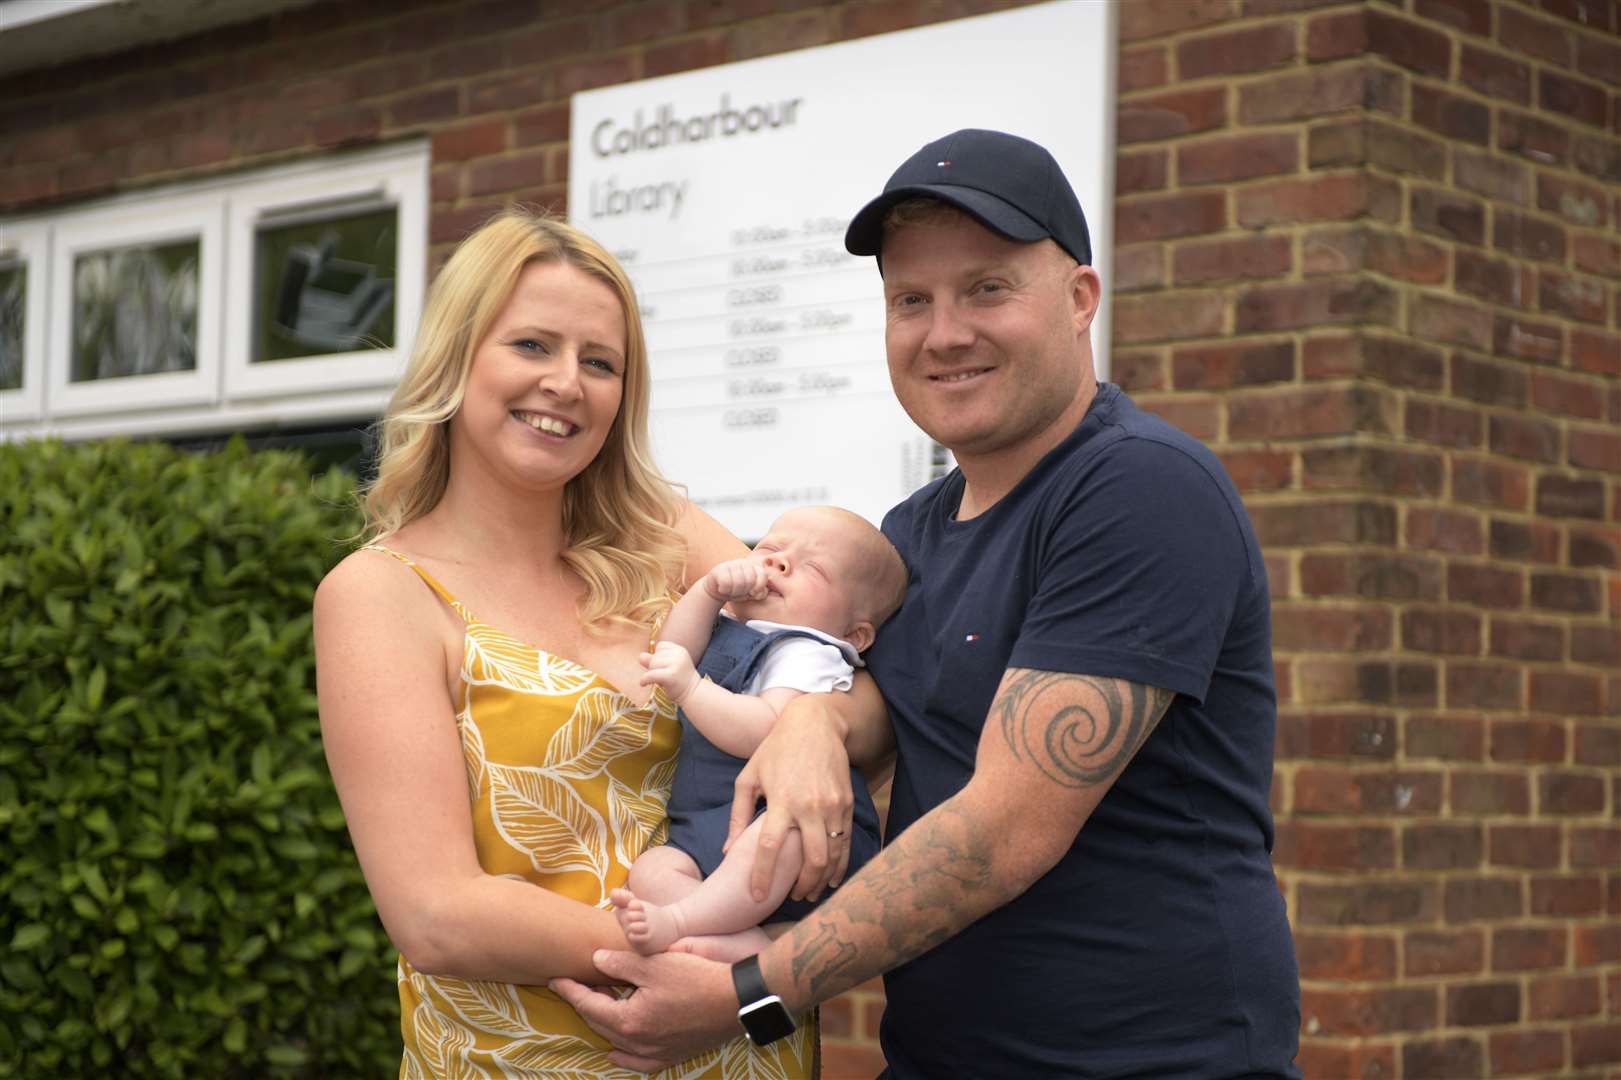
{"points": [[861, 635], [1085, 291]]}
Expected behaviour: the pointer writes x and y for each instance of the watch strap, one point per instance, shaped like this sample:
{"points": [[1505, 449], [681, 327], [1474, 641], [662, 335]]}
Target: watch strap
{"points": [[748, 981]]}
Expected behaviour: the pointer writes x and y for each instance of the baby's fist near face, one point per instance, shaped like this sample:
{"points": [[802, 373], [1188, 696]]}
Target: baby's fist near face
{"points": [[736, 579]]}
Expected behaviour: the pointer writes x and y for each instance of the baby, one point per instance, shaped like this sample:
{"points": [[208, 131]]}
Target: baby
{"points": [[811, 595]]}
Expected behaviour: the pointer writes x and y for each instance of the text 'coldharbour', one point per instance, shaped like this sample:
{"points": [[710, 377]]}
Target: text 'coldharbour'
{"points": [[610, 138]]}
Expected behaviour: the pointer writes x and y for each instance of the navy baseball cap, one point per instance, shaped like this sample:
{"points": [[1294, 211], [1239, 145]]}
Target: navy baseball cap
{"points": [[1010, 185]]}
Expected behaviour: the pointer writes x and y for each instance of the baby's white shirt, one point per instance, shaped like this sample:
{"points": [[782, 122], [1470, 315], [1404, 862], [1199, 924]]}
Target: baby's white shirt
{"points": [[812, 666]]}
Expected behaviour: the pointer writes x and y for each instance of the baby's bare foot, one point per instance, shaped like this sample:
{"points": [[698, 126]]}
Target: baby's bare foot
{"points": [[650, 928]]}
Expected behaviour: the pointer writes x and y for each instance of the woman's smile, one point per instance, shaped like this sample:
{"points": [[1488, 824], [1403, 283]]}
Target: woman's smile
{"points": [[546, 423]]}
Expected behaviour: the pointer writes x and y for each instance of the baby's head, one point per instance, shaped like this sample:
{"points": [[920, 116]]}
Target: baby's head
{"points": [[828, 569]]}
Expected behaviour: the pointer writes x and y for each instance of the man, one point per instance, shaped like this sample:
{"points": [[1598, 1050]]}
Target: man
{"points": [[1077, 878]]}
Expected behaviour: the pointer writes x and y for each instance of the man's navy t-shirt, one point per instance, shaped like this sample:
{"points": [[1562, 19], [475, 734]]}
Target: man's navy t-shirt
{"points": [[1158, 946]]}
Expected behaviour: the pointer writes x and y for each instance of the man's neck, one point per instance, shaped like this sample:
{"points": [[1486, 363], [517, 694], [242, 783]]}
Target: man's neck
{"points": [[988, 479]]}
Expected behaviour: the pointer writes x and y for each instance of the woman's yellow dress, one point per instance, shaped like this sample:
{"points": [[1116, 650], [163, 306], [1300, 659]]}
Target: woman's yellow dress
{"points": [[569, 780]]}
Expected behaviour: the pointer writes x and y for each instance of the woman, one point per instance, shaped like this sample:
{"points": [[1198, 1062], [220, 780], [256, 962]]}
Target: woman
{"points": [[498, 762]]}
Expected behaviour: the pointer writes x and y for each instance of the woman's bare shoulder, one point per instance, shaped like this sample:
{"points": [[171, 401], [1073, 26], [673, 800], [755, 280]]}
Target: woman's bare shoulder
{"points": [[373, 582]]}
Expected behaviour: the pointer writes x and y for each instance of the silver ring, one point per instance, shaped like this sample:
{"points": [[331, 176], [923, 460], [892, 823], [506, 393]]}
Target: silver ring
{"points": [[835, 835]]}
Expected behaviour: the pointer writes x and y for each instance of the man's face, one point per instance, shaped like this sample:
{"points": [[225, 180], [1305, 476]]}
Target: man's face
{"points": [[986, 336]]}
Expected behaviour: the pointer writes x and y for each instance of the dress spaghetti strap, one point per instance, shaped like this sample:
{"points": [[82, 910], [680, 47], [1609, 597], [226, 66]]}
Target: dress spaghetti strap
{"points": [[428, 579]]}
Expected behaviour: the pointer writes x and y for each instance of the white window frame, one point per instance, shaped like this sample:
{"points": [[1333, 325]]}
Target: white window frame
{"points": [[313, 193], [225, 392], [154, 221], [28, 244]]}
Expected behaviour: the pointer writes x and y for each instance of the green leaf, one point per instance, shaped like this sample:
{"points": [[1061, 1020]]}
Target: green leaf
{"points": [[114, 1011], [285, 1055], [98, 821], [60, 611], [261, 764], [95, 882], [30, 936], [96, 688], [20, 972]]}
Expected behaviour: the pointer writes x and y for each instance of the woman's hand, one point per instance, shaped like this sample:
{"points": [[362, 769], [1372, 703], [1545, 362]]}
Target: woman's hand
{"points": [[803, 773]]}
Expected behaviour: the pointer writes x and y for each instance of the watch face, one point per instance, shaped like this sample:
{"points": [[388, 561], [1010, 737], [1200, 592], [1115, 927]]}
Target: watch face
{"points": [[766, 1020]]}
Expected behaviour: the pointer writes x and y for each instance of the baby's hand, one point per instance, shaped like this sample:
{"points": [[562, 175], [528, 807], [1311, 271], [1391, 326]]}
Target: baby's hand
{"points": [[736, 579], [670, 666]]}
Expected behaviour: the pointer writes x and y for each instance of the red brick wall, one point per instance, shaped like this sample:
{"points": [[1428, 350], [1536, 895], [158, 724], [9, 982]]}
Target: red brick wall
{"points": [[1369, 251], [1366, 249]]}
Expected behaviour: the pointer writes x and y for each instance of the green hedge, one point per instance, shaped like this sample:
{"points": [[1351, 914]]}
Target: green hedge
{"points": [[178, 897]]}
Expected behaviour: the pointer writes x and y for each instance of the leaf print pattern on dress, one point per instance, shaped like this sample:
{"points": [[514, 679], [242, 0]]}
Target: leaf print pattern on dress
{"points": [[598, 731], [444, 1047], [493, 657], [634, 817], [472, 750], [701, 1067], [563, 1056], [545, 818], [487, 1006], [740, 1062]]}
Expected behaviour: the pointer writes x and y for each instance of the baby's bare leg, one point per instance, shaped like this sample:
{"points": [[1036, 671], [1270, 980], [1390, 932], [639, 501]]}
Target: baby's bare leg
{"points": [[722, 904], [730, 948], [663, 875]]}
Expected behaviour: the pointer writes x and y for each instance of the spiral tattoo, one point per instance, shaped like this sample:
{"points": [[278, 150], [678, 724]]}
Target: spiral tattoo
{"points": [[1077, 729]]}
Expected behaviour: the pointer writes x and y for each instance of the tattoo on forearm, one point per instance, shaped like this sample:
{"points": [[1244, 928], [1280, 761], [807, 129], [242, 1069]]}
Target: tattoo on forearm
{"points": [[946, 867], [825, 950], [1079, 731], [1076, 729]]}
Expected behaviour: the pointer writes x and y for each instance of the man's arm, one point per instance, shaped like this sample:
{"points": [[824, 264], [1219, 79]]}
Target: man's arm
{"points": [[808, 755], [1052, 746]]}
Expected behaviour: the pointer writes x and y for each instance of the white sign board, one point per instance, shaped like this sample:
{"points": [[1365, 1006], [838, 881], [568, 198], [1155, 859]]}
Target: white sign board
{"points": [[726, 193]]}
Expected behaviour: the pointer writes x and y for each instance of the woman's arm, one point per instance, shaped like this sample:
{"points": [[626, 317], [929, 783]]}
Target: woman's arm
{"points": [[391, 741], [708, 543]]}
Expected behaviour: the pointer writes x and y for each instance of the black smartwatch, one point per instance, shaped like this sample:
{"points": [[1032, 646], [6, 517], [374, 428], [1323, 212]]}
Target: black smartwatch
{"points": [[762, 1013]]}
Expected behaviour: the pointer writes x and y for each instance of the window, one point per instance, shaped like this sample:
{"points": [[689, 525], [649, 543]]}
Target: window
{"points": [[282, 296], [135, 303], [22, 321], [325, 290]]}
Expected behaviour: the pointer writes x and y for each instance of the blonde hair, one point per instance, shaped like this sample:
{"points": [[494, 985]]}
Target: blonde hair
{"points": [[619, 513]]}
